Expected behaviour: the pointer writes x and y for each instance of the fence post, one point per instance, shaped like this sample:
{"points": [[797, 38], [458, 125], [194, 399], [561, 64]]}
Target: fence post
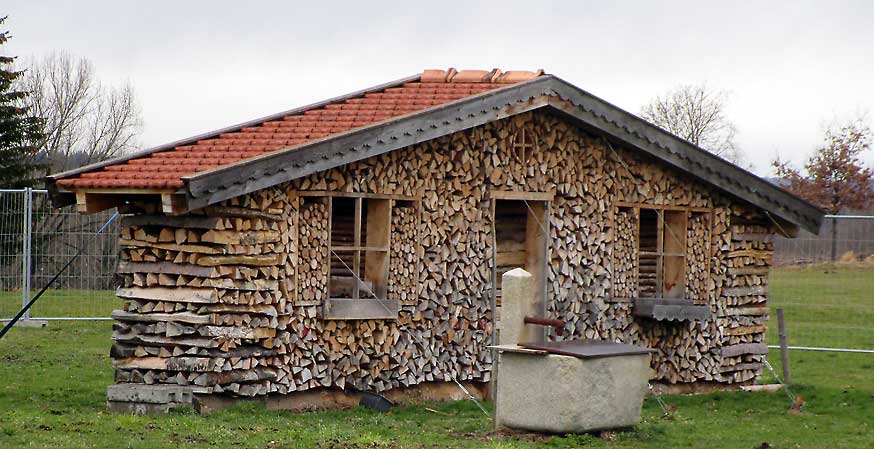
{"points": [[834, 239], [784, 348], [26, 235]]}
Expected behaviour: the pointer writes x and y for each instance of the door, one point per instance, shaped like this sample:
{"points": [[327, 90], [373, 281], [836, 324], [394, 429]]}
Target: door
{"points": [[520, 232]]}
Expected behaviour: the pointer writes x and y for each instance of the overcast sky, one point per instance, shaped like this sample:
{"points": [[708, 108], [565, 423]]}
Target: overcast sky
{"points": [[791, 68]]}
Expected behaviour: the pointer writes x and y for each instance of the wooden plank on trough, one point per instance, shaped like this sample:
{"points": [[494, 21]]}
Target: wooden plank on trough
{"points": [[756, 290], [744, 311], [202, 249], [188, 221]]}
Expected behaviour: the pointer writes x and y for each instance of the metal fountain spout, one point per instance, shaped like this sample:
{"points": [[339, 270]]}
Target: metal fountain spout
{"points": [[557, 324]]}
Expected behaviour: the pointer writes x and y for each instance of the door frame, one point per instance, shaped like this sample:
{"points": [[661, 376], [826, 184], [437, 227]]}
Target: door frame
{"points": [[544, 198]]}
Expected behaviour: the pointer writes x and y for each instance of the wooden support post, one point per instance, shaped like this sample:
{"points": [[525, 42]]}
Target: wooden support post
{"points": [[493, 381], [784, 349]]}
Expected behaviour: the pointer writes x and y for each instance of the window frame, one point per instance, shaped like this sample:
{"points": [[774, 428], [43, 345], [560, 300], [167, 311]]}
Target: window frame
{"points": [[676, 254], [358, 307], [372, 256], [689, 212]]}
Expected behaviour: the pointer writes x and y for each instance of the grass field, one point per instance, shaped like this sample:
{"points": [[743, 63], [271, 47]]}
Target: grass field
{"points": [[826, 305], [53, 385], [62, 303]]}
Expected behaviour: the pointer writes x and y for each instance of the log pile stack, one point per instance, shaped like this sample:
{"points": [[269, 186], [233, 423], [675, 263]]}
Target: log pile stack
{"points": [[229, 298], [313, 252], [748, 254], [624, 249], [202, 303], [404, 260], [698, 258]]}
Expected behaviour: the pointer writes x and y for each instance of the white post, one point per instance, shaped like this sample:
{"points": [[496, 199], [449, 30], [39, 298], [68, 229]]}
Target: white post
{"points": [[519, 300], [26, 249]]}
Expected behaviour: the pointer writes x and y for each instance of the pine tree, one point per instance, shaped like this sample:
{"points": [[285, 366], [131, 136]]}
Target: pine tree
{"points": [[18, 129]]}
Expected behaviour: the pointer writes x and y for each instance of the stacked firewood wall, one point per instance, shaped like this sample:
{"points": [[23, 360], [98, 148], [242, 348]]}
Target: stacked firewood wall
{"points": [[236, 304], [624, 251], [747, 251], [312, 282], [202, 301], [698, 258], [404, 260]]}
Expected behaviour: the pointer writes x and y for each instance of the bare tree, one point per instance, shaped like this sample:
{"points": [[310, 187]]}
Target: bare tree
{"points": [[84, 121], [696, 113]]}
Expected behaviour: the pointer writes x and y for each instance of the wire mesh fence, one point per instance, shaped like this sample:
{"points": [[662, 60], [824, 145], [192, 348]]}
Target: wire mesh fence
{"points": [[35, 243], [825, 284]]}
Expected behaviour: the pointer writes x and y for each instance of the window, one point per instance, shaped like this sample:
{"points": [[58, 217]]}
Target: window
{"points": [[358, 235], [661, 256], [523, 142], [359, 247]]}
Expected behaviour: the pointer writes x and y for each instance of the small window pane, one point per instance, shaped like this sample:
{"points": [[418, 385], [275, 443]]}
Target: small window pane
{"points": [[342, 273], [674, 284], [376, 214], [649, 230], [675, 232], [342, 221]]}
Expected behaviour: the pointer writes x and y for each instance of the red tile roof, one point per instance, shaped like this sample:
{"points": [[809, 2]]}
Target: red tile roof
{"points": [[165, 169]]}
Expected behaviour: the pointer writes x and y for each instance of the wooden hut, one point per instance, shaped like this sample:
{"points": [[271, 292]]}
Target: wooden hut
{"points": [[358, 243]]}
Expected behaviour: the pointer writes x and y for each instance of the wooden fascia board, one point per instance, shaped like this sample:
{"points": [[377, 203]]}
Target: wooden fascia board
{"points": [[51, 179], [355, 145]]}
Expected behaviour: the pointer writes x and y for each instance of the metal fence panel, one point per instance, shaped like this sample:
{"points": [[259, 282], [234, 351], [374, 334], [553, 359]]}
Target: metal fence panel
{"points": [[86, 289], [825, 284], [12, 250]]}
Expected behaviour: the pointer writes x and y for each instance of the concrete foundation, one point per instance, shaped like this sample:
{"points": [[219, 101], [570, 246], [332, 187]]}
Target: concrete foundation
{"points": [[147, 399], [562, 394]]}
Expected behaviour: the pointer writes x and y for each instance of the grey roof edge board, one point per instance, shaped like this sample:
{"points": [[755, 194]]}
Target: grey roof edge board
{"points": [[547, 91], [231, 128], [675, 151]]}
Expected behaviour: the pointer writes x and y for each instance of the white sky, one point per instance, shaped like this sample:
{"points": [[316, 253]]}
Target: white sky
{"points": [[791, 67]]}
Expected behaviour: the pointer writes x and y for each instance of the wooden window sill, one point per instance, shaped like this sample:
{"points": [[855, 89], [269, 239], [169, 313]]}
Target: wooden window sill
{"points": [[661, 309], [361, 309]]}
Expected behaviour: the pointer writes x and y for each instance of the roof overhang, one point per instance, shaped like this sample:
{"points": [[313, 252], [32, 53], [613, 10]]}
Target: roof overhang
{"points": [[593, 114]]}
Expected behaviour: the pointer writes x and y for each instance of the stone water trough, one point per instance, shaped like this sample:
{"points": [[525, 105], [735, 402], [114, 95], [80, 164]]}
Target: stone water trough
{"points": [[570, 386]]}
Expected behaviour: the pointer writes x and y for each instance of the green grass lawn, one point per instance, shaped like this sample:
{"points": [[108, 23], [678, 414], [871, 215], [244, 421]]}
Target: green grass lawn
{"points": [[54, 382], [62, 303], [53, 389]]}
